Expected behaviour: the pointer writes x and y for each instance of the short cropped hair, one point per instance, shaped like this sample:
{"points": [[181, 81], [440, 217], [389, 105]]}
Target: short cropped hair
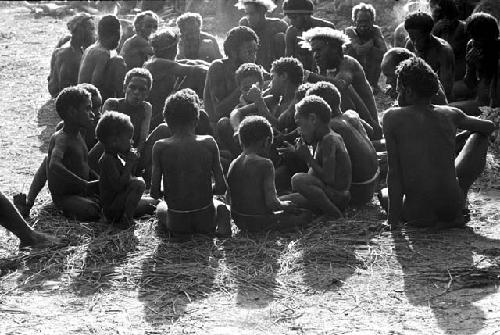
{"points": [[416, 74], [482, 26], [363, 7], [292, 67], [449, 9], [108, 26], [140, 17], [138, 72], [253, 129], [420, 21], [94, 91], [164, 40], [78, 20], [267, 5], [72, 96], [302, 90], [181, 109], [298, 7], [327, 34], [194, 96], [328, 92], [237, 36], [397, 55], [189, 18], [249, 70], [111, 125], [313, 104]]}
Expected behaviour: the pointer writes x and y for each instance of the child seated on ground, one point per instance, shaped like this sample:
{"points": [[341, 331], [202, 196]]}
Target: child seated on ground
{"points": [[100, 64], [252, 192], [121, 194], [68, 172], [325, 188], [186, 163], [137, 85], [136, 50], [24, 202]]}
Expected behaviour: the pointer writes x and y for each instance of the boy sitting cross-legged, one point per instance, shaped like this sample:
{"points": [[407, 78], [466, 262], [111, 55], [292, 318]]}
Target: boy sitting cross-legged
{"points": [[121, 194], [186, 163], [254, 201]]}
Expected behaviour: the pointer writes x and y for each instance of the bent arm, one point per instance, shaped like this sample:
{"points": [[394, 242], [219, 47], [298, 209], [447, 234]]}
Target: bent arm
{"points": [[447, 70], [97, 78], [57, 168], [223, 101], [156, 173], [220, 186], [270, 193], [474, 124], [394, 181]]}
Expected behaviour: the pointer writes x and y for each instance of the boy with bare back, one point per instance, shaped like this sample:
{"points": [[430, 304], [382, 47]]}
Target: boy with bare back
{"points": [[137, 49], [365, 169], [254, 202], [68, 172], [65, 60], [186, 163], [121, 194], [325, 188], [427, 185], [100, 64]]}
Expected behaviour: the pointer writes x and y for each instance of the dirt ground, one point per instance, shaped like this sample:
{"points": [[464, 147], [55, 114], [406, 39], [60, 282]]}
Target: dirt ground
{"points": [[353, 276]]}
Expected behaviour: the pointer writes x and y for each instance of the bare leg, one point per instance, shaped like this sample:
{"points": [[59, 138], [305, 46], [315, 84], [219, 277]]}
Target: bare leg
{"points": [[471, 161], [225, 136], [79, 208], [94, 155], [222, 219], [134, 191], [25, 203]]}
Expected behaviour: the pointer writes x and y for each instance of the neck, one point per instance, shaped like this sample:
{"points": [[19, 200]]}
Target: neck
{"points": [[289, 93], [71, 129], [76, 43], [183, 132], [255, 150], [321, 131]]}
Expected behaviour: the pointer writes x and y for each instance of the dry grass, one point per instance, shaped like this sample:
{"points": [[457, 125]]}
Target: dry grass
{"points": [[344, 277]]}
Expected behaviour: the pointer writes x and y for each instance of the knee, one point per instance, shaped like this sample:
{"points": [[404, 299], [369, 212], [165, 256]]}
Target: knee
{"points": [[138, 185], [162, 212], [223, 125], [299, 180]]}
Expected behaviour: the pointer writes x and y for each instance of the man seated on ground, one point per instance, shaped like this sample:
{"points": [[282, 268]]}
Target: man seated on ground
{"points": [[481, 79], [187, 180], [136, 50], [427, 185], [435, 51], [11, 220], [271, 31], [221, 92], [68, 173], [100, 65], [342, 70], [137, 85], [121, 194], [325, 188], [299, 12], [364, 164], [195, 43], [392, 58], [169, 75], [65, 60], [24, 202], [367, 43], [254, 202], [448, 27]]}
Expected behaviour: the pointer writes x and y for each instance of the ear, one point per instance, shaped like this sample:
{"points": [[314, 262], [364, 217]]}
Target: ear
{"points": [[267, 142]]}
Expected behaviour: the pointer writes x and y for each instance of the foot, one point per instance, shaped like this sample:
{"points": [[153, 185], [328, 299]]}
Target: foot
{"points": [[223, 222], [20, 201], [39, 240]]}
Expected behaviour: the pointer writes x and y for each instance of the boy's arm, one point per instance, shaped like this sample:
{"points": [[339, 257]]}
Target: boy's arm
{"points": [[270, 193], [325, 172], [474, 124], [148, 110], [447, 69], [220, 186], [156, 173], [100, 62], [223, 101], [116, 181], [53, 80], [394, 181], [378, 41]]}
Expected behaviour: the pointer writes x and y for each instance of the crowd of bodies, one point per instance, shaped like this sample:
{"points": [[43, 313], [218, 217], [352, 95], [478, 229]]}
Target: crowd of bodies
{"points": [[287, 126]]}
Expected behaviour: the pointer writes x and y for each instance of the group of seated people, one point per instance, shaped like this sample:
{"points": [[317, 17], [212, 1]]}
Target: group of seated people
{"points": [[287, 126]]}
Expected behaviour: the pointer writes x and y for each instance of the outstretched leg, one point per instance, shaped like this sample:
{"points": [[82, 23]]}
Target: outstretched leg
{"points": [[471, 160]]}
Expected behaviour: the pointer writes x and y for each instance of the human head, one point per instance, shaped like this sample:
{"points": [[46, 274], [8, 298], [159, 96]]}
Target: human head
{"points": [[302, 90], [108, 31], [82, 29], [255, 131], [95, 95], [443, 9], [363, 16], [146, 23], [255, 10], [416, 81], [328, 92], [115, 131], [311, 113], [164, 44], [74, 106], [241, 44], [390, 61], [286, 71], [137, 85], [419, 27], [326, 44], [298, 12], [482, 28], [181, 111], [189, 25], [247, 75]]}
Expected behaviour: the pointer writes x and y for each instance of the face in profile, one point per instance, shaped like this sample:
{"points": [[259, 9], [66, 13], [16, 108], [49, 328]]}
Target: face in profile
{"points": [[402, 95], [247, 52], [148, 26], [306, 126], [137, 90], [190, 31], [364, 22], [83, 115], [325, 55], [390, 77], [255, 15], [278, 82], [87, 33], [297, 20], [123, 142], [418, 38]]}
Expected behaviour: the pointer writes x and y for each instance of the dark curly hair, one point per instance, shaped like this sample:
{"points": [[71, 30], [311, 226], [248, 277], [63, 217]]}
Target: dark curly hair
{"points": [[328, 92], [181, 109], [236, 37], [72, 96], [419, 76], [292, 67], [420, 21], [254, 129], [249, 70], [111, 125], [313, 104], [138, 72], [482, 26]]}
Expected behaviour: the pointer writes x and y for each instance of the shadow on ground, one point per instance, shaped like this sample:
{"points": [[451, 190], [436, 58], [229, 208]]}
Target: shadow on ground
{"points": [[47, 119]]}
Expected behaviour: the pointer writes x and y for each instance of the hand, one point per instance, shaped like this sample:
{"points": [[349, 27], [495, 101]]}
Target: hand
{"points": [[254, 94], [288, 148], [302, 150], [132, 156]]}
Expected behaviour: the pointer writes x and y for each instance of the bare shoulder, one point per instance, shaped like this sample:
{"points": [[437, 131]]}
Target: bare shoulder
{"points": [[147, 106], [216, 66], [391, 114], [350, 31], [207, 140], [292, 32]]}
